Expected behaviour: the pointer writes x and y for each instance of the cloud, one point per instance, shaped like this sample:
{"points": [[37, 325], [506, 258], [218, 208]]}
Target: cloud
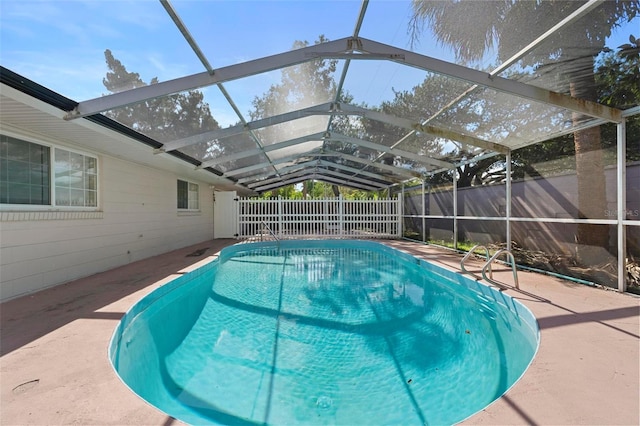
{"points": [[76, 76], [148, 15]]}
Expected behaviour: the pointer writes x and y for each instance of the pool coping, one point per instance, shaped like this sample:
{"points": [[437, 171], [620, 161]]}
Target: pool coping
{"points": [[55, 369]]}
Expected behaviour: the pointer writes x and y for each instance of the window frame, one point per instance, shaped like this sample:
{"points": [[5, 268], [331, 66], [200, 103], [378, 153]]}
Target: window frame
{"points": [[52, 206], [189, 200]]}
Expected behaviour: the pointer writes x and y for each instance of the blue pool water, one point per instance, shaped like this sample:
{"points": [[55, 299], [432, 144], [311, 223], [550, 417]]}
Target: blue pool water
{"points": [[323, 332]]}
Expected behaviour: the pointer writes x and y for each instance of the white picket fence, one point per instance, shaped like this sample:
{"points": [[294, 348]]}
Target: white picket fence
{"points": [[318, 218]]}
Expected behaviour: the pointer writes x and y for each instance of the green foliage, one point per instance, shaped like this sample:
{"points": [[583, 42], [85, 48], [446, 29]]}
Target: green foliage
{"points": [[472, 27], [301, 86], [618, 82], [615, 82], [317, 189], [618, 76], [289, 192], [166, 118], [462, 245]]}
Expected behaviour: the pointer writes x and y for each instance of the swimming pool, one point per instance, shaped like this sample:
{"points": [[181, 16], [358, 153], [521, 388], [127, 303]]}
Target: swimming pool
{"points": [[323, 332]]}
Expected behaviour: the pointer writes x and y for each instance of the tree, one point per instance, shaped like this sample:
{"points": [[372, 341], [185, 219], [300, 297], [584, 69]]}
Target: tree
{"points": [[166, 118], [473, 27], [422, 101], [618, 74], [617, 79], [301, 86]]}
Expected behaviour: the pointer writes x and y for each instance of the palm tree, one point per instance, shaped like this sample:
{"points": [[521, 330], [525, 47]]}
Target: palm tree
{"points": [[471, 28]]}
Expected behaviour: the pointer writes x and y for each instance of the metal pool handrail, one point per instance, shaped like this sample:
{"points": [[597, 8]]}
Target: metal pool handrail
{"points": [[270, 231], [487, 266], [468, 255]]}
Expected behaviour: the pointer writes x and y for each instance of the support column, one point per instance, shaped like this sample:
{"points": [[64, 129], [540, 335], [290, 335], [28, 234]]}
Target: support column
{"points": [[508, 200], [621, 197], [455, 209], [401, 209], [280, 216], [341, 215], [424, 220]]}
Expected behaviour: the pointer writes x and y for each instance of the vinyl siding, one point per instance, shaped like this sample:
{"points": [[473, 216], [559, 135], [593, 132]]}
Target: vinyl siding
{"points": [[137, 218]]}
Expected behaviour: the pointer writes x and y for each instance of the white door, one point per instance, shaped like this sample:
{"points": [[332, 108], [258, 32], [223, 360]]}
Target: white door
{"points": [[225, 215]]}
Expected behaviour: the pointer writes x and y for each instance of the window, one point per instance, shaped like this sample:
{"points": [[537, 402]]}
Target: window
{"points": [[26, 178], [24, 172], [188, 198], [76, 179]]}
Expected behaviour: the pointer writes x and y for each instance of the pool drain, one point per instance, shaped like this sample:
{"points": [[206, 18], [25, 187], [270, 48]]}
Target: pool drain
{"points": [[324, 403]]}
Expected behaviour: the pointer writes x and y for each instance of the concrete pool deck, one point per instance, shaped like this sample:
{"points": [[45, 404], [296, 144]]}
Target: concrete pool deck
{"points": [[54, 367]]}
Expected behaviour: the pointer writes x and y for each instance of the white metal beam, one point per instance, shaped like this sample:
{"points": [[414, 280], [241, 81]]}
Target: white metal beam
{"points": [[304, 159], [393, 169], [352, 170], [203, 79], [424, 213], [333, 136], [266, 148], [283, 170], [329, 108], [347, 63], [343, 48], [186, 34], [265, 164], [316, 154], [383, 148], [294, 168], [242, 170], [574, 16], [508, 193], [347, 109], [332, 180], [323, 109], [320, 173], [500, 84], [294, 172], [285, 176], [240, 128], [455, 209], [621, 196], [202, 137], [349, 178], [320, 167], [352, 177], [282, 183]]}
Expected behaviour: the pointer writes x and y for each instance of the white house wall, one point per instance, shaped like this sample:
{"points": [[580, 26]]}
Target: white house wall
{"points": [[137, 218]]}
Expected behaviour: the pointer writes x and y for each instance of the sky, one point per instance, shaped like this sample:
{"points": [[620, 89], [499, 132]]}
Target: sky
{"points": [[60, 44]]}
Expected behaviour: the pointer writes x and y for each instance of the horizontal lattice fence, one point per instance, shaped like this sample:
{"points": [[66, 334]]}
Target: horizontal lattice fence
{"points": [[318, 218]]}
